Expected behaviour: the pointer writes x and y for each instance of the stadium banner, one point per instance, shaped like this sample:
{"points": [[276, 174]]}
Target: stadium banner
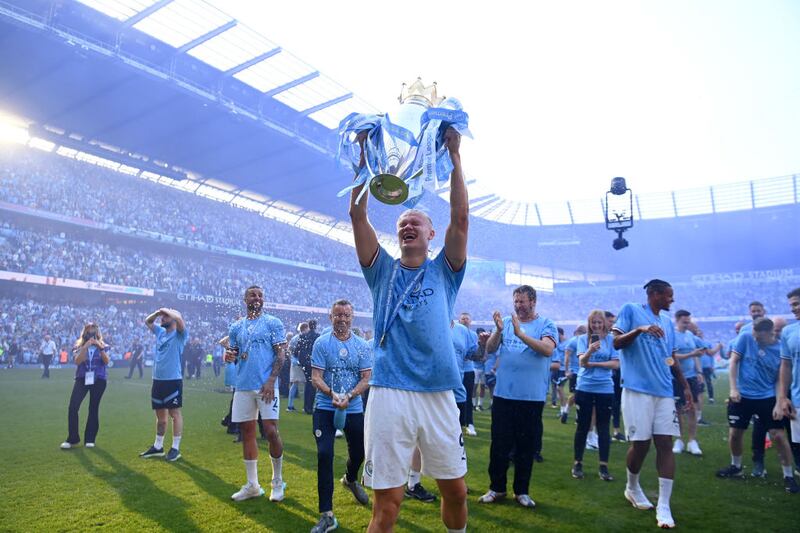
{"points": [[212, 299], [73, 283], [781, 274], [30, 211]]}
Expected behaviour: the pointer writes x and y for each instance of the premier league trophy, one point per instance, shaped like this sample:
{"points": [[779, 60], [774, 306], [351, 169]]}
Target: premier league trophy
{"points": [[404, 150]]}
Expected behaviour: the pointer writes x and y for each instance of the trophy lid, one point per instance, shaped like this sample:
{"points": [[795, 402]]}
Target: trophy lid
{"points": [[417, 90]]}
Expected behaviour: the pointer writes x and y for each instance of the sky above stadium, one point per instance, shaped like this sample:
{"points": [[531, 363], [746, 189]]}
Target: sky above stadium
{"points": [[563, 96]]}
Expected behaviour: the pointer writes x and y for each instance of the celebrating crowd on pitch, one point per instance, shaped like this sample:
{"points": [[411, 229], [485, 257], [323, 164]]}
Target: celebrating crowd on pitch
{"points": [[403, 399]]}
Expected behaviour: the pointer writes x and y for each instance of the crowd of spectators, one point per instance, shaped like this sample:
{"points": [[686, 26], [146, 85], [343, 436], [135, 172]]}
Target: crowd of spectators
{"points": [[73, 188], [56, 255]]}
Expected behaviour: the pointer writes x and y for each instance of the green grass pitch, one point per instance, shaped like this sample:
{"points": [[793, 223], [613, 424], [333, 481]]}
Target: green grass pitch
{"points": [[43, 488]]}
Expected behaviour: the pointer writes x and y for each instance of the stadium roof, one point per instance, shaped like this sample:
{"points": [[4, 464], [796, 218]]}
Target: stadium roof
{"points": [[204, 97], [201, 30]]}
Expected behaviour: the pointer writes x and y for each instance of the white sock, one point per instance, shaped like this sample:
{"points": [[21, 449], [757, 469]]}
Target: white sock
{"points": [[277, 468], [413, 479], [159, 444], [736, 460], [480, 401], [787, 471], [699, 415], [462, 530], [251, 467], [664, 492], [633, 481], [176, 442], [563, 409]]}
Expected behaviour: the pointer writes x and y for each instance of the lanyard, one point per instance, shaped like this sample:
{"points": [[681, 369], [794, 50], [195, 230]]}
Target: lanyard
{"points": [[249, 329], [90, 358], [389, 317]]}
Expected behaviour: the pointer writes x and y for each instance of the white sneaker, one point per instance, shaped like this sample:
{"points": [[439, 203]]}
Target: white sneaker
{"points": [[246, 492], [491, 497], [66, 445], [526, 501], [664, 518], [678, 447], [638, 499], [89, 444], [471, 431], [339, 434], [278, 488], [591, 441], [694, 448]]}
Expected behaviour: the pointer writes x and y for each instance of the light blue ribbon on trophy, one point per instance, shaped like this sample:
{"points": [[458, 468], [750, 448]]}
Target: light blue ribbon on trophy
{"points": [[425, 158]]}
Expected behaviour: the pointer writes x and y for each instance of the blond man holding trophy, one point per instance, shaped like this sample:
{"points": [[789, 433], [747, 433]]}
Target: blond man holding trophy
{"points": [[414, 374]]}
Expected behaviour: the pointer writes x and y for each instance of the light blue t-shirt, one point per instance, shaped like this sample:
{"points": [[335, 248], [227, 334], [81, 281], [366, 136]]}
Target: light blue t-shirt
{"points": [[686, 342], [571, 346], [342, 363], [524, 374], [469, 364], [230, 374], [558, 354], [707, 361], [465, 345], [257, 338], [643, 366], [758, 367], [790, 349], [417, 354], [597, 380], [168, 357]]}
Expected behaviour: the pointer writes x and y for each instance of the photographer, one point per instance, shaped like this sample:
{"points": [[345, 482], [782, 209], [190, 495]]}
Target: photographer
{"points": [[91, 358]]}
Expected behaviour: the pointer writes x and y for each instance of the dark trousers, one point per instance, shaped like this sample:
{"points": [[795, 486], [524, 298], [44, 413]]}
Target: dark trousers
{"points": [[469, 384], [217, 366], [325, 434], [707, 376], [46, 360], [615, 405], [79, 391], [515, 424], [309, 392], [602, 404], [760, 434], [134, 364]]}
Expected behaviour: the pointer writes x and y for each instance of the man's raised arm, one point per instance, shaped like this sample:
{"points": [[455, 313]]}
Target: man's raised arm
{"points": [[455, 240], [364, 234]]}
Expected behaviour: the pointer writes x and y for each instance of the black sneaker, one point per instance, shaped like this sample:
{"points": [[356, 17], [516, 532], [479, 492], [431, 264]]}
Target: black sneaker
{"points": [[790, 485], [152, 452], [419, 493], [703, 423], [604, 474], [758, 469], [730, 471], [358, 491], [173, 455], [619, 436], [326, 523], [577, 471], [564, 417], [538, 457]]}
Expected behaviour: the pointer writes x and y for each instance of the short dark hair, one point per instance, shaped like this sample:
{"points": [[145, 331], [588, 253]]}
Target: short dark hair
{"points": [[465, 313], [342, 301], [253, 287], [312, 324], [656, 285], [609, 314], [480, 330], [794, 293], [755, 302], [680, 313], [763, 324], [560, 330], [526, 289]]}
